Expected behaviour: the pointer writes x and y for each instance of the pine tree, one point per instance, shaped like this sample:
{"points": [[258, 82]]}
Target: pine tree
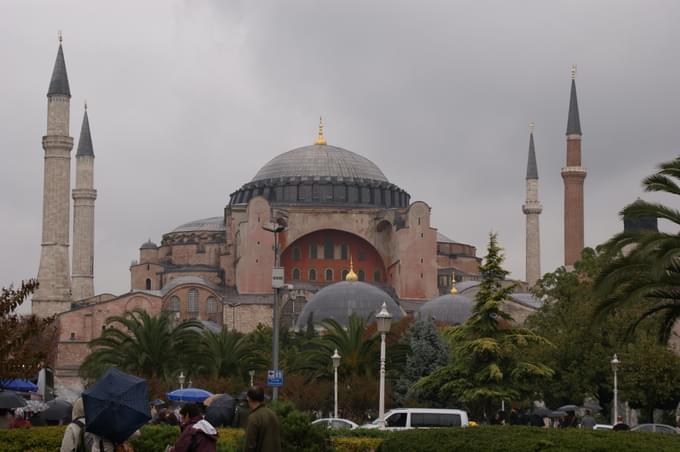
{"points": [[487, 364], [428, 353]]}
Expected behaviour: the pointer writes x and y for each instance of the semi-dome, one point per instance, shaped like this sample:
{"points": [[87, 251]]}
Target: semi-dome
{"points": [[340, 300], [449, 309], [320, 160], [205, 224], [322, 174]]}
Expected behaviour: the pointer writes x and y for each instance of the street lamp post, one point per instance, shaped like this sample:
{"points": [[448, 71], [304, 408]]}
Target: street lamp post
{"points": [[181, 379], [275, 228], [384, 320], [615, 364], [252, 375], [336, 363]]}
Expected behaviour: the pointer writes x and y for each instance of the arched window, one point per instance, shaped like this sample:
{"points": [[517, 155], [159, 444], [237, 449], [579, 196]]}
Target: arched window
{"points": [[329, 274], [377, 276], [173, 304], [211, 306], [312, 274], [296, 274], [344, 274], [361, 275], [148, 283], [192, 301]]}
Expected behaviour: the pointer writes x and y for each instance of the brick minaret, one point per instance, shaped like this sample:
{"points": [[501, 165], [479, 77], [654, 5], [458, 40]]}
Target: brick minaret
{"points": [[574, 175], [532, 208], [54, 294], [84, 196]]}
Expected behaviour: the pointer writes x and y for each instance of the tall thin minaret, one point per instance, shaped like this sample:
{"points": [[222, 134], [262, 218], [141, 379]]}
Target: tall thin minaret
{"points": [[573, 175], [54, 292], [84, 196], [532, 208]]}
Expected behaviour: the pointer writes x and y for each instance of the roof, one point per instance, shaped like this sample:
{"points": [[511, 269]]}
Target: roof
{"points": [[574, 122], [148, 245], [441, 238], [320, 161], [197, 280], [205, 224], [527, 299], [85, 142], [449, 309], [59, 82], [340, 300], [532, 167]]}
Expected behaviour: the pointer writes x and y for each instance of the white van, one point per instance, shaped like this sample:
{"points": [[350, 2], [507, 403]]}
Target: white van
{"points": [[408, 418]]}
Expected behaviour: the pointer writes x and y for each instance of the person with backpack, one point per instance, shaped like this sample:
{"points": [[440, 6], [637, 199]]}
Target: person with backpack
{"points": [[198, 435], [74, 436]]}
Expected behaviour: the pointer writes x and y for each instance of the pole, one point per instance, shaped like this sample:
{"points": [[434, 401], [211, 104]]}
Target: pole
{"points": [[381, 409], [336, 392], [616, 399], [275, 321]]}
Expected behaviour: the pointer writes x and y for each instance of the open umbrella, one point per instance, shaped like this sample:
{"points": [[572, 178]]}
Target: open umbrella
{"points": [[557, 413], [58, 410], [189, 395], [592, 406], [10, 400], [568, 408], [542, 411], [220, 411], [19, 385], [116, 405]]}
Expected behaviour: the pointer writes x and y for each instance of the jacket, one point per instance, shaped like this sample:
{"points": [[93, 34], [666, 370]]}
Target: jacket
{"points": [[263, 433], [198, 432]]}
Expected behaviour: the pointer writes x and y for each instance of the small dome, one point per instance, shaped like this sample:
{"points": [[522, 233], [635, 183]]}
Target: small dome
{"points": [[148, 245], [340, 300], [449, 309], [205, 224]]}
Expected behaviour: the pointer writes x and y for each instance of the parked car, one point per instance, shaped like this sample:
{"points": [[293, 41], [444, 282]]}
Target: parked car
{"points": [[336, 423], [409, 418], [657, 428], [603, 427]]}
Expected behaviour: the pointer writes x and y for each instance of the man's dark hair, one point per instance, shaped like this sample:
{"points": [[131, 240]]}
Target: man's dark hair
{"points": [[190, 409], [256, 394]]}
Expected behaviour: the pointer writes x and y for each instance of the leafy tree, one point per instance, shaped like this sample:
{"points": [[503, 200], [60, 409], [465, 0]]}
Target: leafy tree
{"points": [[646, 270], [145, 345], [487, 363], [428, 353], [228, 354], [26, 342]]}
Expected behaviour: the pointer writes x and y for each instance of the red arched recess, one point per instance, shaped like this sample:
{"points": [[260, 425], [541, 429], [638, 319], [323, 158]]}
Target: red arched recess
{"points": [[330, 249]]}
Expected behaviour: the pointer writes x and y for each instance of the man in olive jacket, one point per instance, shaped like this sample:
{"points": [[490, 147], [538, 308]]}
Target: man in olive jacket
{"points": [[263, 433]]}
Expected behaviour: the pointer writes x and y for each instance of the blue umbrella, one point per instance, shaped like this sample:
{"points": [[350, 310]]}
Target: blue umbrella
{"points": [[116, 405], [189, 395], [19, 385]]}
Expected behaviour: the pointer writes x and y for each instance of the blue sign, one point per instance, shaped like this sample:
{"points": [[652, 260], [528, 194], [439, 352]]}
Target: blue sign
{"points": [[275, 378]]}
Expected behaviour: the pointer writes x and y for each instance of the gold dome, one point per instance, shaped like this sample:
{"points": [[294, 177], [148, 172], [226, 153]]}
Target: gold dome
{"points": [[351, 276]]}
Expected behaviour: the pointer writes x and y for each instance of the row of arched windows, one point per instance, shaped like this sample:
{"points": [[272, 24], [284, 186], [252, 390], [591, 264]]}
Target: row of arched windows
{"points": [[174, 304], [328, 275]]}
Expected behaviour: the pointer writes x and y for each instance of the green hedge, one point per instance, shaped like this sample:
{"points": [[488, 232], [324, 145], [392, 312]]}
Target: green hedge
{"points": [[36, 439], [523, 439]]}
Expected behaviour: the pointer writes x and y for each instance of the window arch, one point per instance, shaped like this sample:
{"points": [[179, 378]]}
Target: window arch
{"points": [[312, 274], [377, 276], [192, 301], [211, 306], [173, 304], [361, 275], [148, 283], [329, 274], [296, 274], [344, 274]]}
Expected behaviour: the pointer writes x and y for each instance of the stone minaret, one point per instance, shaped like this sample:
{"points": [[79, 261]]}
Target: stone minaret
{"points": [[532, 208], [574, 175], [54, 293], [84, 196]]}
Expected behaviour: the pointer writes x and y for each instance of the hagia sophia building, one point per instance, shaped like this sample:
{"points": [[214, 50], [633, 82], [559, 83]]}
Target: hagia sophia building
{"points": [[349, 239]]}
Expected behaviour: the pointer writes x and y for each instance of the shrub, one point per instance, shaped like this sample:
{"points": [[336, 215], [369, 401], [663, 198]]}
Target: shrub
{"points": [[356, 444], [36, 439], [297, 433]]}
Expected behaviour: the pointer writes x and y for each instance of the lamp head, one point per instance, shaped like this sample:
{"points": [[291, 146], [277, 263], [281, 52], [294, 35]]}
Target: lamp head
{"points": [[615, 362], [336, 359], [384, 319], [181, 378], [273, 227]]}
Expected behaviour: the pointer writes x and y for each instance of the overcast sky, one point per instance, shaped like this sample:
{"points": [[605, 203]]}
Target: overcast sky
{"points": [[187, 100]]}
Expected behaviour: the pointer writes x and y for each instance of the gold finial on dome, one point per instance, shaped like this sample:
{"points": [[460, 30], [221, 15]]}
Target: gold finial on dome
{"points": [[320, 139], [573, 72], [351, 276], [453, 290]]}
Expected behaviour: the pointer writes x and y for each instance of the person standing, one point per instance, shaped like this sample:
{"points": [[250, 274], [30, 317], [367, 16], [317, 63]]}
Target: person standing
{"points": [[620, 426], [588, 421], [263, 433], [198, 435]]}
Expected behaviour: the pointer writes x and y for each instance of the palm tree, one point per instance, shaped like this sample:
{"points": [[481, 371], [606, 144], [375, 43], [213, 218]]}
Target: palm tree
{"points": [[645, 268], [145, 345], [228, 354]]}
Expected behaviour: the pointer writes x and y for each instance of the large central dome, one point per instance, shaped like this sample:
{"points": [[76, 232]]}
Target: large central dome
{"points": [[321, 161]]}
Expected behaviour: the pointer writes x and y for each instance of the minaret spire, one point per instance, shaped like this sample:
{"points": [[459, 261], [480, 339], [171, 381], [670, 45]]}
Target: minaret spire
{"points": [[59, 81], [573, 175], [532, 208], [320, 139], [84, 196]]}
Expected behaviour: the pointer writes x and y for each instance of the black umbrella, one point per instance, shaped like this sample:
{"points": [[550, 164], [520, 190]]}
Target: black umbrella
{"points": [[557, 413], [116, 405], [58, 410], [542, 411], [568, 408], [592, 406], [220, 412], [10, 400]]}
